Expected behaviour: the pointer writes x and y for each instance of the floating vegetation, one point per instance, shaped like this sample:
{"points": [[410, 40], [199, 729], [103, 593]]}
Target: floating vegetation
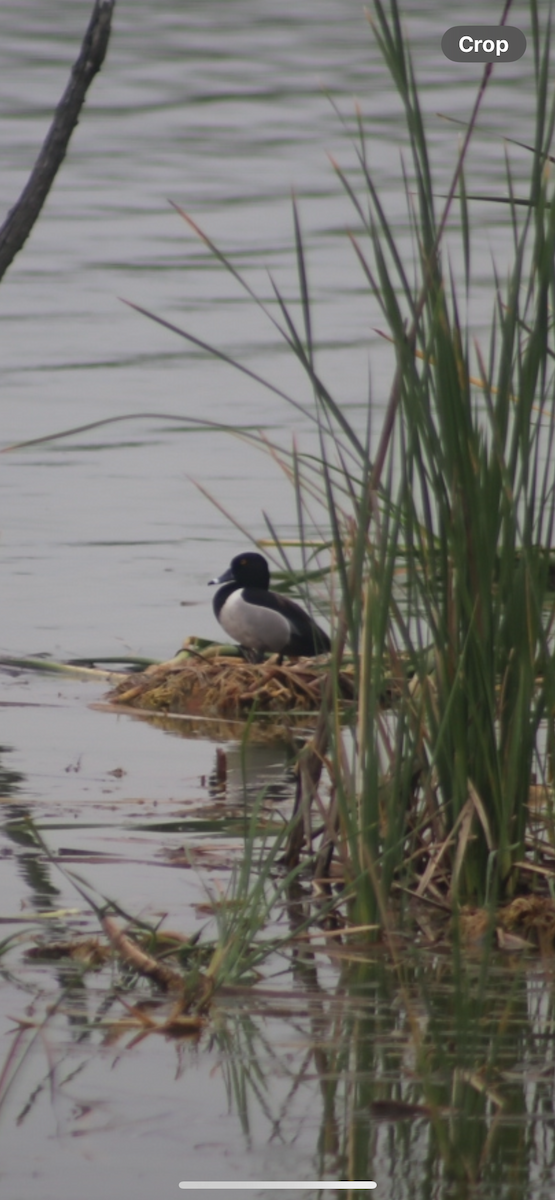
{"points": [[218, 684], [526, 923]]}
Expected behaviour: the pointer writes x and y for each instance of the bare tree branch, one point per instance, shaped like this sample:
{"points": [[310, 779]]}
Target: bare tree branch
{"points": [[22, 216]]}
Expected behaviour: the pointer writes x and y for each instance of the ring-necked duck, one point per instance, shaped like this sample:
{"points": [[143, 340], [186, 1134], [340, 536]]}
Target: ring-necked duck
{"points": [[261, 620]]}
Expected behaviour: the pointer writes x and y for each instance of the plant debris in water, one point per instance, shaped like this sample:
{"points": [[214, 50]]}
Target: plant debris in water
{"points": [[220, 685]]}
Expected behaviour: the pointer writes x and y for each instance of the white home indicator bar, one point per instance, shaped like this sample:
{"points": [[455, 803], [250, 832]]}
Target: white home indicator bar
{"points": [[321, 1185]]}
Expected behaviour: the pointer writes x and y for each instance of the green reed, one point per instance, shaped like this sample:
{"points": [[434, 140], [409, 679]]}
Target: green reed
{"points": [[439, 534], [473, 517], [457, 496], [476, 507]]}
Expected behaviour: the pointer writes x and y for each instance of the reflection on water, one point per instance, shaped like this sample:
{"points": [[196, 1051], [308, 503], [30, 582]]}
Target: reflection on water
{"points": [[241, 774], [428, 1071], [9, 780], [429, 1083]]}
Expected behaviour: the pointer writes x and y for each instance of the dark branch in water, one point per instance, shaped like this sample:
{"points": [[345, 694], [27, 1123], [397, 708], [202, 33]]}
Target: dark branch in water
{"points": [[22, 216]]}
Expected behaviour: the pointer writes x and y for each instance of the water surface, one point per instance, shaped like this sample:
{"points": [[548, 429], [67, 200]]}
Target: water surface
{"points": [[107, 546]]}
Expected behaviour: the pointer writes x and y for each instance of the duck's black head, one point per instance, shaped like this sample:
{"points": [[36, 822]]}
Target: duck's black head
{"points": [[247, 570]]}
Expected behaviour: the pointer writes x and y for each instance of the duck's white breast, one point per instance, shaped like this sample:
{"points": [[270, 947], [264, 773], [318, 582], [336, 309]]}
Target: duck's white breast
{"points": [[253, 626]]}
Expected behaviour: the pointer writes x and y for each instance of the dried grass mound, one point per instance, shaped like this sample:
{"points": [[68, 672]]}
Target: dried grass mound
{"points": [[526, 923], [223, 686]]}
